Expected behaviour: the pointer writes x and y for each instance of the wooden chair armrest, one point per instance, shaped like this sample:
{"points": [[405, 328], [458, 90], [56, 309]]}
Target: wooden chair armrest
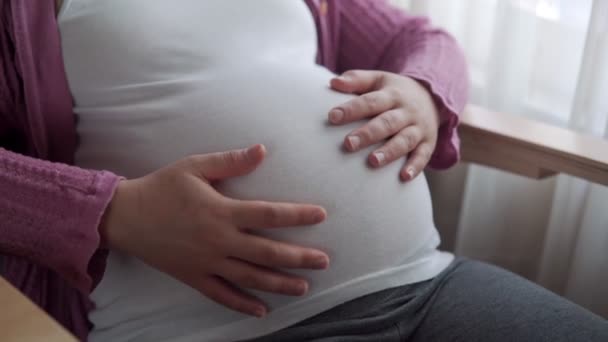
{"points": [[530, 148], [21, 320]]}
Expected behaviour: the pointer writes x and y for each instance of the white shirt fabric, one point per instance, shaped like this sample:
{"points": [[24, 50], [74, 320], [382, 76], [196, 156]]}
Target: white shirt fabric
{"points": [[154, 81]]}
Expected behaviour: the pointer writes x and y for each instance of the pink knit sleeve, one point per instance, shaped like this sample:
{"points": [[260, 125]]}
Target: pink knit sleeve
{"points": [[375, 35], [49, 214]]}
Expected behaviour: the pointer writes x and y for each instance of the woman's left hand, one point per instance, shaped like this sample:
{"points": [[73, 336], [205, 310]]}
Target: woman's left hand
{"points": [[402, 111]]}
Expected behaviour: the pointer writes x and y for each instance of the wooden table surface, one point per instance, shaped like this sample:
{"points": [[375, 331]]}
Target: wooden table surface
{"points": [[22, 321]]}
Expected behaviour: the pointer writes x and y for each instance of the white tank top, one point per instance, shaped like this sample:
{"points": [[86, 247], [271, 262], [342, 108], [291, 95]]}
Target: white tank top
{"points": [[154, 81]]}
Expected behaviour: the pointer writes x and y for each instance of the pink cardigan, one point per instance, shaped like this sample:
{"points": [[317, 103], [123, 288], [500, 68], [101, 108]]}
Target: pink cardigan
{"points": [[49, 211]]}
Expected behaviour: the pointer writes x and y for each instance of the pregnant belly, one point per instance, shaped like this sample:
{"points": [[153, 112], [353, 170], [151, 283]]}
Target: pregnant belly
{"points": [[374, 221]]}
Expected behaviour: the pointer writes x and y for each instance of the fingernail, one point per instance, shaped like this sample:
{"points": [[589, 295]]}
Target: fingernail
{"points": [[354, 142], [343, 78], [410, 172], [259, 312], [301, 288], [379, 158], [254, 148], [336, 116], [319, 216], [321, 262]]}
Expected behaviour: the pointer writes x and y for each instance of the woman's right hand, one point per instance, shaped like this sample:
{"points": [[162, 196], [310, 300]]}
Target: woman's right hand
{"points": [[175, 221]]}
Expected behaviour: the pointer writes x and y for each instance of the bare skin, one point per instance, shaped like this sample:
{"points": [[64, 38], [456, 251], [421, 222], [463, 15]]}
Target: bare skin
{"points": [[401, 112], [175, 221]]}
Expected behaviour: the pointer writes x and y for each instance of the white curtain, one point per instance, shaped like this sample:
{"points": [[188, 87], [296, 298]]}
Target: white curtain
{"points": [[545, 59]]}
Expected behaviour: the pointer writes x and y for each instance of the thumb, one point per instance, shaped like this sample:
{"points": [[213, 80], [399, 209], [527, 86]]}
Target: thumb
{"points": [[357, 81], [228, 164]]}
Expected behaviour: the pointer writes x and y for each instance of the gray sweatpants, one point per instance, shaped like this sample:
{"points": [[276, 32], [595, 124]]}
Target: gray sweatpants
{"points": [[469, 301]]}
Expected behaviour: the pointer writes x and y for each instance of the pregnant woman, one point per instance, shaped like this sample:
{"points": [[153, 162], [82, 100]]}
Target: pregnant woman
{"points": [[247, 81], [158, 82]]}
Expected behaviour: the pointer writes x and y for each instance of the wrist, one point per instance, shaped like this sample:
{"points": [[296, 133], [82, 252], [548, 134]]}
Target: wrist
{"points": [[434, 100], [113, 227]]}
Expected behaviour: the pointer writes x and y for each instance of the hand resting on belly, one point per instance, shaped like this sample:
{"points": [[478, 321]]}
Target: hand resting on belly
{"points": [[375, 222]]}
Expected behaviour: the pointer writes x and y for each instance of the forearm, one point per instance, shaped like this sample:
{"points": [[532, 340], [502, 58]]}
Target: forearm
{"points": [[49, 214]]}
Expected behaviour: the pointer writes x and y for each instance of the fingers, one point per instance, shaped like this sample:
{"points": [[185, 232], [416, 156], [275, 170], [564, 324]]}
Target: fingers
{"points": [[377, 129], [397, 147], [253, 277], [234, 163], [357, 81], [260, 214], [364, 106], [416, 162], [275, 254], [225, 294]]}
